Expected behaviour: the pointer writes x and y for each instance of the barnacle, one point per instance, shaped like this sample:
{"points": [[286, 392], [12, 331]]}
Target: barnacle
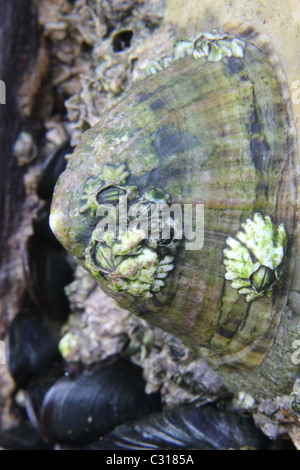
{"points": [[106, 188], [254, 261], [125, 250], [214, 45]]}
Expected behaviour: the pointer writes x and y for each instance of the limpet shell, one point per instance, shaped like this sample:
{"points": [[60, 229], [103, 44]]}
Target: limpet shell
{"points": [[209, 125]]}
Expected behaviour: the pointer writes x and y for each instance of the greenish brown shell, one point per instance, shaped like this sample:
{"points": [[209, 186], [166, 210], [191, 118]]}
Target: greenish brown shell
{"points": [[203, 130]]}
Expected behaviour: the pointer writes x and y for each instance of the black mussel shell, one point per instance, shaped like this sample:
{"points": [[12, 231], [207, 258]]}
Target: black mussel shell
{"points": [[41, 227], [78, 410], [187, 427], [47, 270], [52, 168], [36, 391], [31, 347]]}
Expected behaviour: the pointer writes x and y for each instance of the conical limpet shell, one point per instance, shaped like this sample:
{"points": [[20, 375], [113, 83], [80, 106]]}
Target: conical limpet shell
{"points": [[209, 125]]}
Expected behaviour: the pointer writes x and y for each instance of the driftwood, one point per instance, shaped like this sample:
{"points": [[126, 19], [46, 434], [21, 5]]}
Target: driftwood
{"points": [[19, 42]]}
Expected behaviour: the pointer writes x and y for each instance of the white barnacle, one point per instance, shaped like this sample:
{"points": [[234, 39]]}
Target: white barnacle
{"points": [[128, 260], [216, 45], [153, 67], [254, 256], [183, 49]]}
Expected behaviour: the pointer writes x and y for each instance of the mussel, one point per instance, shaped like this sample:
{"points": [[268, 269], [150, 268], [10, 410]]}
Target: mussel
{"points": [[52, 168], [79, 409], [205, 146], [47, 270], [32, 346], [186, 427], [33, 358], [47, 267], [36, 390]]}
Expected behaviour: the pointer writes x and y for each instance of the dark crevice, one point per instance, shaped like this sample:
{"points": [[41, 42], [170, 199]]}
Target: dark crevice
{"points": [[122, 40]]}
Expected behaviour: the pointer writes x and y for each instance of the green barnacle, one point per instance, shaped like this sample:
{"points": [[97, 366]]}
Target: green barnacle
{"points": [[295, 398], [108, 187], [155, 195], [130, 259], [161, 223], [117, 175], [253, 262], [295, 403], [89, 196], [123, 262], [114, 194]]}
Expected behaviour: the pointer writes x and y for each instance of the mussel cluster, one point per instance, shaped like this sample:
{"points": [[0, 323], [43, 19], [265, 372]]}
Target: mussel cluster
{"points": [[71, 406]]}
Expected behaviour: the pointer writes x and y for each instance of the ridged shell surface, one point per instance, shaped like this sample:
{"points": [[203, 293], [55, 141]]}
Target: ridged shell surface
{"points": [[206, 129]]}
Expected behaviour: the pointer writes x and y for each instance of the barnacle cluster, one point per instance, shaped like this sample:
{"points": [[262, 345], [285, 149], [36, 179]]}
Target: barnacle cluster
{"points": [[254, 261], [214, 45], [94, 44], [120, 250]]}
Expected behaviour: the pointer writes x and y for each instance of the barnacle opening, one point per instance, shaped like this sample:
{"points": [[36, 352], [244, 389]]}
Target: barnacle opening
{"points": [[263, 278], [254, 262], [214, 45], [125, 250], [122, 40]]}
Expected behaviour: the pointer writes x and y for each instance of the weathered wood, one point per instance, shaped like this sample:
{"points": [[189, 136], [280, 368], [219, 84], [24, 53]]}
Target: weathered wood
{"points": [[19, 42]]}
